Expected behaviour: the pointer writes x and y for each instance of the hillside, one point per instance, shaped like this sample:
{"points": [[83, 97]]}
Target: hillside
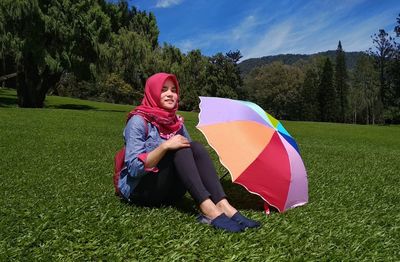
{"points": [[247, 65]]}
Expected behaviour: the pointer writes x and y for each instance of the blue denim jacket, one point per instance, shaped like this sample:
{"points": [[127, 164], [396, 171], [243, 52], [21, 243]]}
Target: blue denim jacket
{"points": [[139, 141]]}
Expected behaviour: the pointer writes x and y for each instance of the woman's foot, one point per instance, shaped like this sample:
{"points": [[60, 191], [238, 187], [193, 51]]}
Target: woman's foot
{"points": [[244, 221], [234, 215], [224, 216], [226, 208], [209, 209], [213, 215], [222, 222]]}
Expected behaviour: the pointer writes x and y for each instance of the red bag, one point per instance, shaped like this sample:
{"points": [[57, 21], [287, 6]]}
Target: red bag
{"points": [[119, 160], [119, 163]]}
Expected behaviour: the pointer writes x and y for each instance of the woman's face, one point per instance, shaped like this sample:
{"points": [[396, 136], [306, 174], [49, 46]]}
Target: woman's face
{"points": [[169, 96]]}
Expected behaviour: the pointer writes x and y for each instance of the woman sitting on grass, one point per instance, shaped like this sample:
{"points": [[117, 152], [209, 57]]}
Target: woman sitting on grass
{"points": [[162, 162]]}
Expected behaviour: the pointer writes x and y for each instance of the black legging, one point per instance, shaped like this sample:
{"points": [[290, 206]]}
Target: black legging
{"points": [[187, 169]]}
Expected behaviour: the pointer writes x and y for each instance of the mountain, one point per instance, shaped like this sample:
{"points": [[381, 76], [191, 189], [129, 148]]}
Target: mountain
{"points": [[247, 65]]}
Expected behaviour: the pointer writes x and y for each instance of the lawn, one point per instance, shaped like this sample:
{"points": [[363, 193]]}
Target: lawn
{"points": [[57, 200]]}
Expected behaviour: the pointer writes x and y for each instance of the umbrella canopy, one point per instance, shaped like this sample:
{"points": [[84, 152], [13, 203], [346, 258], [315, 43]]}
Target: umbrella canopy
{"points": [[256, 149]]}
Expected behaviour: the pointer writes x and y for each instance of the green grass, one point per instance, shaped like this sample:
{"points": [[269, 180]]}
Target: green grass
{"points": [[57, 200]]}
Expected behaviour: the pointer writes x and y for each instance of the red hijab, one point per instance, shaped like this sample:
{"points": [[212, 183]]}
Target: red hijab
{"points": [[167, 121]]}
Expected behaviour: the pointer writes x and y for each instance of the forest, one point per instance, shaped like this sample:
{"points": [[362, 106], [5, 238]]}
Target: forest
{"points": [[103, 51]]}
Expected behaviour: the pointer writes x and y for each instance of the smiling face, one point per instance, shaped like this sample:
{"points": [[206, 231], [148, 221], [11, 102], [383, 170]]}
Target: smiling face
{"points": [[169, 95]]}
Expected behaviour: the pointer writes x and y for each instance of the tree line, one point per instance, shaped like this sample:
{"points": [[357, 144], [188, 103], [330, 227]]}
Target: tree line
{"points": [[289, 59], [322, 89], [99, 50]]}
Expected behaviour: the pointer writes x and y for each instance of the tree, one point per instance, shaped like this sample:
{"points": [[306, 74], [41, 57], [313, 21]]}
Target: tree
{"points": [[132, 19], [49, 38], [393, 109], [383, 53], [146, 25], [171, 59], [235, 56], [341, 85], [192, 80], [223, 77], [116, 90], [7, 64], [309, 96], [276, 88], [364, 94], [327, 94], [119, 13]]}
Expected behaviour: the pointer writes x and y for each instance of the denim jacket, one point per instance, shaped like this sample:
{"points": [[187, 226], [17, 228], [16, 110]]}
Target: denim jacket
{"points": [[139, 141]]}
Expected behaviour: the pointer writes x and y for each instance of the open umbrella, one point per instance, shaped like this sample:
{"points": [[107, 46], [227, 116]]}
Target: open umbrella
{"points": [[256, 149]]}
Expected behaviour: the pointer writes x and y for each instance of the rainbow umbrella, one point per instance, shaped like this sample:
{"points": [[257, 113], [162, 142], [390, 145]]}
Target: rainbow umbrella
{"points": [[257, 151]]}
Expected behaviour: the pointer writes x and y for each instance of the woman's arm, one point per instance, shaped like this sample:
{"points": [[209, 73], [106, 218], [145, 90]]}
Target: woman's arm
{"points": [[136, 158], [135, 149], [158, 153]]}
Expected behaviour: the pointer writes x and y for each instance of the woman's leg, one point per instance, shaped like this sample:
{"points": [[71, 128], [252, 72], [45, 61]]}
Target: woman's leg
{"points": [[210, 178], [164, 187], [211, 181], [197, 172], [188, 173], [207, 172], [178, 172]]}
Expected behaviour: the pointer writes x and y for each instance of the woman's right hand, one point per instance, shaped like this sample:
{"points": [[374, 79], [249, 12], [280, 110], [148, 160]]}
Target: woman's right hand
{"points": [[158, 153], [176, 142]]}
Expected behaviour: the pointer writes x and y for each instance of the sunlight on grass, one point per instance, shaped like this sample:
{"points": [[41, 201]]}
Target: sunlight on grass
{"points": [[57, 200]]}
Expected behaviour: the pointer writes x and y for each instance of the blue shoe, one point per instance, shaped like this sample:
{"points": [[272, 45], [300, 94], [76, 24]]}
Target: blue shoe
{"points": [[244, 221], [221, 222], [202, 219]]}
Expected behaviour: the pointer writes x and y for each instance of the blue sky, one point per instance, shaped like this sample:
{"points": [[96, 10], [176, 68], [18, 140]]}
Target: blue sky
{"points": [[262, 27]]}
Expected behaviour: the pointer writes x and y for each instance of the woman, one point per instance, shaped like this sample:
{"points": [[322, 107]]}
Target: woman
{"points": [[162, 162]]}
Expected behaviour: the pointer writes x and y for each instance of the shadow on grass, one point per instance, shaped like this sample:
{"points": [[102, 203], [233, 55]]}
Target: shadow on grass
{"points": [[72, 106], [240, 198], [7, 99], [237, 195], [8, 102], [185, 205], [111, 110], [82, 107]]}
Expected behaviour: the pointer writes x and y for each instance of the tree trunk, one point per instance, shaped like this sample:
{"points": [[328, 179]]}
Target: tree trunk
{"points": [[355, 116], [28, 87], [4, 70], [31, 86], [373, 114]]}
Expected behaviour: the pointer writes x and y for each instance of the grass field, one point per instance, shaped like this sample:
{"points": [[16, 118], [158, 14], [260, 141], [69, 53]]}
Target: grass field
{"points": [[57, 200]]}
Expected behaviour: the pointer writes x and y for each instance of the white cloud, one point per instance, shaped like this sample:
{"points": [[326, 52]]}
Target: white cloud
{"points": [[317, 33], [167, 3], [360, 33], [243, 29], [187, 45], [273, 40], [270, 33], [241, 33]]}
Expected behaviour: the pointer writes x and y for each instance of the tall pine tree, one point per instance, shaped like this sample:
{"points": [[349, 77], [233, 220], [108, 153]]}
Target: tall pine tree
{"points": [[383, 53], [341, 85], [327, 94], [309, 96]]}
